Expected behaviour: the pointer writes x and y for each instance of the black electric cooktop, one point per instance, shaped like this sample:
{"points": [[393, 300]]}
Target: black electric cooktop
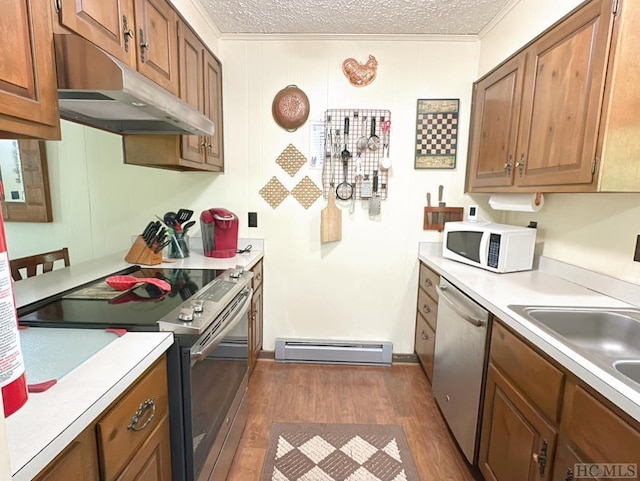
{"points": [[95, 306]]}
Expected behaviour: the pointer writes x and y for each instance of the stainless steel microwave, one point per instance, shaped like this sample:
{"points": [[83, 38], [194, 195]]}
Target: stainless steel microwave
{"points": [[495, 247]]}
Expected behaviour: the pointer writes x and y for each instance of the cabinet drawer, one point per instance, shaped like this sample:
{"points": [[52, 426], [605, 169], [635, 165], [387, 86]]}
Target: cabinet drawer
{"points": [[257, 275], [424, 345], [536, 377], [428, 281], [428, 308], [117, 441], [597, 431]]}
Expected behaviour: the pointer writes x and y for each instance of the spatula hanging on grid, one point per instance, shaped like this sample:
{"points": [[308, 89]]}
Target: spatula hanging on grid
{"points": [[374, 202]]}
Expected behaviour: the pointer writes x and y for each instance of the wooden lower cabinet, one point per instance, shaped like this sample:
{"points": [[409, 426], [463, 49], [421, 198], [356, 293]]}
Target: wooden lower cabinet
{"points": [[79, 461], [541, 423], [517, 443], [426, 318], [425, 342], [255, 316], [129, 441]]}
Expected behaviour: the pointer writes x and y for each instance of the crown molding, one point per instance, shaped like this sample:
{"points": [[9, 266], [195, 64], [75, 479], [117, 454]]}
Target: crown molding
{"points": [[273, 37], [504, 11]]}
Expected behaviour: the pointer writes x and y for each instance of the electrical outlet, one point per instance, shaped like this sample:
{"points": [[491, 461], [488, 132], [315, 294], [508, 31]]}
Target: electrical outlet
{"points": [[253, 219], [636, 254]]}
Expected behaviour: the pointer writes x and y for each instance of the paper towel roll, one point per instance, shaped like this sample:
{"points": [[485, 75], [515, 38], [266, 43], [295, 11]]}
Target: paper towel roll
{"points": [[517, 202]]}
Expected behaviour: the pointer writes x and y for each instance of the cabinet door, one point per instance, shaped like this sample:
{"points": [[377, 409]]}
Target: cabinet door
{"points": [[516, 443], [425, 341], [28, 92], [79, 461], [156, 25], [152, 461], [213, 109], [562, 99], [495, 117], [109, 25], [564, 464], [191, 67], [256, 327]]}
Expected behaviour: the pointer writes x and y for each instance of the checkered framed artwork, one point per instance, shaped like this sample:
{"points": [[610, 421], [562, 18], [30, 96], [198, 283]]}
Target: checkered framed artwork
{"points": [[437, 133]]}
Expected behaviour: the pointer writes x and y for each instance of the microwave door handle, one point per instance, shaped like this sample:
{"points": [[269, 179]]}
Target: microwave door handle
{"points": [[483, 254], [208, 348], [459, 310]]}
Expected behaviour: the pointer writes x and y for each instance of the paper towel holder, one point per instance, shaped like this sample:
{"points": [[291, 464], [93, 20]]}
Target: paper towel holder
{"points": [[517, 201]]}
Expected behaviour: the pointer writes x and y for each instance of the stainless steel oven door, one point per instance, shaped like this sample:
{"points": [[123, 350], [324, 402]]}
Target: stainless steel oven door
{"points": [[218, 384]]}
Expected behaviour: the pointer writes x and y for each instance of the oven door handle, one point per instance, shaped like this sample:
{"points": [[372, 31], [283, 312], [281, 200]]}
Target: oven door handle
{"points": [[208, 348]]}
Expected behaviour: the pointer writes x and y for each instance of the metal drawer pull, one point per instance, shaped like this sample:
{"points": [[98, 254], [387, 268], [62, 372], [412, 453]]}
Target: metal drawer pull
{"points": [[569, 476], [426, 309], [425, 336], [145, 406], [541, 458], [428, 282], [461, 312]]}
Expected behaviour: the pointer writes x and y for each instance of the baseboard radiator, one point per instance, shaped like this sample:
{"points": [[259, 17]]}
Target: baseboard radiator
{"points": [[334, 352]]}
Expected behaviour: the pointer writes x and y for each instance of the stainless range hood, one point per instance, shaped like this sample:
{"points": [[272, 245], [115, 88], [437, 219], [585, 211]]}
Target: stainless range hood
{"points": [[96, 89]]}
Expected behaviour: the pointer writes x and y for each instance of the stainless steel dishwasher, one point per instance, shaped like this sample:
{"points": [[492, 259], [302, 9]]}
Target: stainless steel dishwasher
{"points": [[459, 360]]}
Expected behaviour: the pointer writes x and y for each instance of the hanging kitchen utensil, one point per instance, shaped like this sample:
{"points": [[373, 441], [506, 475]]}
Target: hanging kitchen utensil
{"points": [[184, 215], [290, 108], [374, 202], [366, 187], [374, 141], [346, 155], [330, 220], [385, 162], [362, 142], [344, 191]]}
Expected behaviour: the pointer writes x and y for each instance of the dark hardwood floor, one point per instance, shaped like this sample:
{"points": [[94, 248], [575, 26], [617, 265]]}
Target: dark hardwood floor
{"points": [[305, 393]]}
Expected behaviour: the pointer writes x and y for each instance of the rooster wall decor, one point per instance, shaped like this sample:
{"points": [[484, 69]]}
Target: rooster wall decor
{"points": [[360, 74]]}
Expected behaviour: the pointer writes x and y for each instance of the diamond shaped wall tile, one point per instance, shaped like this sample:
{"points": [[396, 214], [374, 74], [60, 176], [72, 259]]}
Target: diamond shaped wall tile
{"points": [[291, 159], [306, 192], [274, 192]]}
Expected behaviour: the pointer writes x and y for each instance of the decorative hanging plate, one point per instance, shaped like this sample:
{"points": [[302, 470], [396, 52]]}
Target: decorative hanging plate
{"points": [[290, 108]]}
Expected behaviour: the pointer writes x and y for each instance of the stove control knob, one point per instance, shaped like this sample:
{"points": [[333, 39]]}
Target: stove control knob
{"points": [[197, 305], [186, 314]]}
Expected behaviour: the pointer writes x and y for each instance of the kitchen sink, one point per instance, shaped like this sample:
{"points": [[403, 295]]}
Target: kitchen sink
{"points": [[631, 369], [609, 337]]}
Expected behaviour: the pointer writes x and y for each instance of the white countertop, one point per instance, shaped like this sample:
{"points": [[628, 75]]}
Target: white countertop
{"points": [[42, 286], [497, 291], [49, 421]]}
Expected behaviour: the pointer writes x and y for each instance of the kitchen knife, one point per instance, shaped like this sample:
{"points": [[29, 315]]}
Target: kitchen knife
{"points": [[440, 204], [146, 230], [162, 245], [159, 237], [148, 239]]}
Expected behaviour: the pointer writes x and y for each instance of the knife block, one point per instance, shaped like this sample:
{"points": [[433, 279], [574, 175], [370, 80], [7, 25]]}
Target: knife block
{"points": [[140, 253]]}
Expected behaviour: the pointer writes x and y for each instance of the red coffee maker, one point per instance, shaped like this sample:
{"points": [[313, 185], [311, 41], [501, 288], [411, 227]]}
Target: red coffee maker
{"points": [[219, 229]]}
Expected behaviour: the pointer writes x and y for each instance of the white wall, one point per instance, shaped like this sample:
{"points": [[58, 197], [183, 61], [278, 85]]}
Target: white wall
{"points": [[363, 287], [594, 231]]}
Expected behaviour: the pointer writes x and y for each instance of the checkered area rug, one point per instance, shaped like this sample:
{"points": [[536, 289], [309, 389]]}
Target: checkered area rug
{"points": [[338, 452]]}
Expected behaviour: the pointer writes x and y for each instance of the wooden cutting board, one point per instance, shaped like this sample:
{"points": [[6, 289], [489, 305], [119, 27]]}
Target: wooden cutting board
{"points": [[331, 220]]}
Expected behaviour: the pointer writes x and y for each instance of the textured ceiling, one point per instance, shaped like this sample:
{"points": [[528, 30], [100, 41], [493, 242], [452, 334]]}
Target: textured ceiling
{"points": [[386, 17]]}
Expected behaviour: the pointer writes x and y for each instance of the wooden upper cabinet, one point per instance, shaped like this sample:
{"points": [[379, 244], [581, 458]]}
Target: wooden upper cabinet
{"points": [[191, 63], [28, 91], [157, 43], [213, 109], [553, 141], [108, 24], [495, 117], [562, 100]]}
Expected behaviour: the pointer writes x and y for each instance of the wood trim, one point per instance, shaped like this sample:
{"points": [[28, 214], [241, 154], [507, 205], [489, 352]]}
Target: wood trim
{"points": [[35, 179]]}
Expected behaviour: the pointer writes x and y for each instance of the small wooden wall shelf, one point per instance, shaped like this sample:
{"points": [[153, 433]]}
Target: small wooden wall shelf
{"points": [[436, 217]]}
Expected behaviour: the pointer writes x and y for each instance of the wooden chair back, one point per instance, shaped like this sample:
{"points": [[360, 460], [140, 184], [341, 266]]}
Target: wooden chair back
{"points": [[31, 263]]}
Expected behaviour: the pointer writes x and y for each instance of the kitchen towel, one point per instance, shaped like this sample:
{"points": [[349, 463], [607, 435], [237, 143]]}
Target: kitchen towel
{"points": [[517, 202]]}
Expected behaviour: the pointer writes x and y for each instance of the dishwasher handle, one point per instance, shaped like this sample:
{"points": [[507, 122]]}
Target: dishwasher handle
{"points": [[459, 310]]}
